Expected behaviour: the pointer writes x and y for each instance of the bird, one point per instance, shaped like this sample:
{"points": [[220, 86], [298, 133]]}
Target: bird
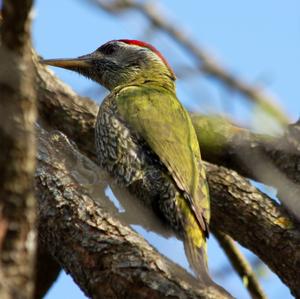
{"points": [[145, 139]]}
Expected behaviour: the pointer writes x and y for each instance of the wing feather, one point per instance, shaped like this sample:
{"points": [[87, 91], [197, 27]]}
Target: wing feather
{"points": [[161, 120]]}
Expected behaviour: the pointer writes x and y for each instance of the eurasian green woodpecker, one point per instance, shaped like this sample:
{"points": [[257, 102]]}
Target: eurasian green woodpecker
{"points": [[145, 138]]}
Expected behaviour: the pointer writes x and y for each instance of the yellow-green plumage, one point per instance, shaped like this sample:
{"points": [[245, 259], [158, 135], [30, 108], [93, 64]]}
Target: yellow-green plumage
{"points": [[155, 114]]}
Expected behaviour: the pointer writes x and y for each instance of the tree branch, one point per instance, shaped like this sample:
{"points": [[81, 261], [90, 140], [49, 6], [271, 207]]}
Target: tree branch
{"points": [[238, 209], [105, 257], [226, 144], [256, 222], [241, 265], [17, 157]]}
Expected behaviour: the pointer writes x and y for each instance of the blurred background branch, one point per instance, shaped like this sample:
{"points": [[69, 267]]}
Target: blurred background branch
{"points": [[274, 161], [17, 153], [204, 61]]}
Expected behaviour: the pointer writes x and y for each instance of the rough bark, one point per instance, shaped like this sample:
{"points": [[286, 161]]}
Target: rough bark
{"points": [[256, 222], [104, 256], [249, 216], [17, 157]]}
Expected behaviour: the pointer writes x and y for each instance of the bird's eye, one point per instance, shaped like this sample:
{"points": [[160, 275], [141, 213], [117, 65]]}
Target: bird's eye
{"points": [[107, 49]]}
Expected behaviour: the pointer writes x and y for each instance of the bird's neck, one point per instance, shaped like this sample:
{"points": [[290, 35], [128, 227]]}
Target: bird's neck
{"points": [[168, 86], [157, 81]]}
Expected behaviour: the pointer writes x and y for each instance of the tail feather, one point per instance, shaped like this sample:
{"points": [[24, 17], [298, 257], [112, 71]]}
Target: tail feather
{"points": [[195, 249], [198, 262]]}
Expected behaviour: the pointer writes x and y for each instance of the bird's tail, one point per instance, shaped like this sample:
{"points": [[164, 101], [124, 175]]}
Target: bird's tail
{"points": [[195, 249]]}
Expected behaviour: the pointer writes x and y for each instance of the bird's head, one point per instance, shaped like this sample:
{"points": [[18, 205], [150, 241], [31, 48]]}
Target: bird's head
{"points": [[120, 62]]}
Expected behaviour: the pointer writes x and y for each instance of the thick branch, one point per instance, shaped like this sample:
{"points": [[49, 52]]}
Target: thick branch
{"points": [[239, 209], [17, 153], [105, 257]]}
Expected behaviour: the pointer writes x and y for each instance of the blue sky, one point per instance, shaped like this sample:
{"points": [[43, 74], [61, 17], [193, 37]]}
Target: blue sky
{"points": [[257, 40]]}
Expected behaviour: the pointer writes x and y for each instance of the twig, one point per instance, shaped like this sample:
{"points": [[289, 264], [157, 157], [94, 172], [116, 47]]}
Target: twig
{"points": [[205, 62], [241, 265]]}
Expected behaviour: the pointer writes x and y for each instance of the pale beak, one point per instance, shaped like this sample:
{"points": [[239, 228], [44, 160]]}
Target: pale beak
{"points": [[68, 63]]}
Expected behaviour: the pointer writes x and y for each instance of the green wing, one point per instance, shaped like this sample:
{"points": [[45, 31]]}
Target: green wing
{"points": [[157, 115]]}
